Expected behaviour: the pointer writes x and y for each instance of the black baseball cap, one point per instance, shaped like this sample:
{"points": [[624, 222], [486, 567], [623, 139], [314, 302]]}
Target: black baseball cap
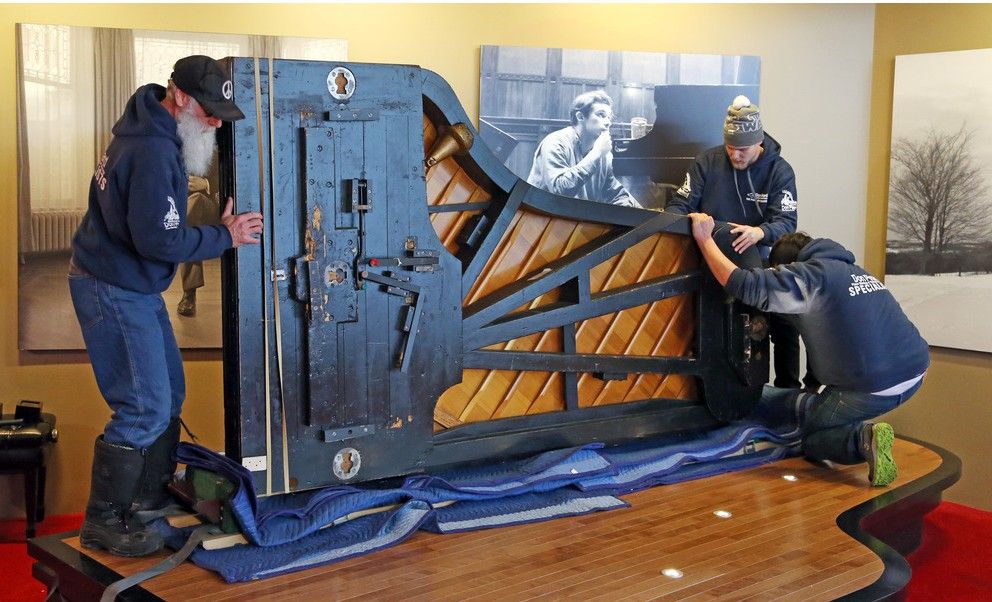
{"points": [[204, 79]]}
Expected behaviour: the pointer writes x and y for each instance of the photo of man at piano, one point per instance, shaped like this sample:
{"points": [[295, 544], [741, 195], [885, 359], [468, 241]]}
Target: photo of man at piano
{"points": [[577, 160], [658, 108]]}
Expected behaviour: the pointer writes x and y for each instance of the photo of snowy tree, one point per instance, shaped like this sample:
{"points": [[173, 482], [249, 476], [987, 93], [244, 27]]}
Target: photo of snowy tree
{"points": [[939, 246]]}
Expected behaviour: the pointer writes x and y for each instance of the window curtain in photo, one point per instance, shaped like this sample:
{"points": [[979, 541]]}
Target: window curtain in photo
{"points": [[58, 109], [265, 46], [24, 243], [114, 81]]}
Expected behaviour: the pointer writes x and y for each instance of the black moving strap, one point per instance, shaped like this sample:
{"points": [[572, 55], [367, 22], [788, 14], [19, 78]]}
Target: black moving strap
{"points": [[195, 538]]}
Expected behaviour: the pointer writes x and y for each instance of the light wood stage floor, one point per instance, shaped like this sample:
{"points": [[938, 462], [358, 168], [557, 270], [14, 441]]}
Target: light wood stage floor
{"points": [[786, 540]]}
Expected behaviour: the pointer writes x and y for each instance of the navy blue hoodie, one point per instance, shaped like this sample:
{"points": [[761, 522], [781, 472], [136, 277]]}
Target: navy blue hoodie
{"points": [[857, 337], [763, 194], [134, 231]]}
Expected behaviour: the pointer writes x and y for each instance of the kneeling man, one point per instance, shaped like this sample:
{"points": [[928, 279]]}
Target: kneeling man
{"points": [[860, 343]]}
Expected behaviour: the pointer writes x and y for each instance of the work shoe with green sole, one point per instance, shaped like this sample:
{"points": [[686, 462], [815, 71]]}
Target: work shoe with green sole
{"points": [[876, 447]]}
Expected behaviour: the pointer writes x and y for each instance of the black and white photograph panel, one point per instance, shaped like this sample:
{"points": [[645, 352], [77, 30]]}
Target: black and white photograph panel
{"points": [[73, 84], [612, 126], [938, 260]]}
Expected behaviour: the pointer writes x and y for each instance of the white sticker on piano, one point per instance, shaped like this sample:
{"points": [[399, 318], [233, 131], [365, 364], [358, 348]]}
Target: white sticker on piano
{"points": [[255, 463]]}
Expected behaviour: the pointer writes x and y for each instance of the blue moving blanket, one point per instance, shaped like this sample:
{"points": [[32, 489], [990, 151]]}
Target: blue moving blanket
{"points": [[293, 532]]}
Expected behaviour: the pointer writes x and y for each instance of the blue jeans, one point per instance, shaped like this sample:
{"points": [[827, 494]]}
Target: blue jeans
{"points": [[135, 358], [831, 420]]}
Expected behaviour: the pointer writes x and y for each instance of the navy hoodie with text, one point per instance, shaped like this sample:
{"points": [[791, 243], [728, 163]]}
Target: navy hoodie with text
{"points": [[857, 336], [763, 194], [134, 231]]}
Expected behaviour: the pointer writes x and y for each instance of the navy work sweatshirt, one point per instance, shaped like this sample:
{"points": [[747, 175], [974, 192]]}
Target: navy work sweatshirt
{"points": [[763, 194], [857, 337], [134, 231]]}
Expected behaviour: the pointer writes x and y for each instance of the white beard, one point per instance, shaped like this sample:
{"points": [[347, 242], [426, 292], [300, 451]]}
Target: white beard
{"points": [[198, 141]]}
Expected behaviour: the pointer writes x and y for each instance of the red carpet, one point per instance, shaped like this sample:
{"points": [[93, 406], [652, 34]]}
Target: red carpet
{"points": [[955, 560], [15, 564], [954, 563]]}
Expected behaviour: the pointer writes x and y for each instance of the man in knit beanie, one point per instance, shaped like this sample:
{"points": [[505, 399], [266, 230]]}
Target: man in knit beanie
{"points": [[742, 128], [748, 184]]}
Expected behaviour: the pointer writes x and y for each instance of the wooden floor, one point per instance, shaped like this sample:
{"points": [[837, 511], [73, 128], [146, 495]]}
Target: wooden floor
{"points": [[48, 322], [781, 542]]}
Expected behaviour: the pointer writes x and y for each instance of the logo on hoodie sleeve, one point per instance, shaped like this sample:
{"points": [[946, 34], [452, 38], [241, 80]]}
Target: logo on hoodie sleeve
{"points": [[686, 188], [171, 219], [788, 201]]}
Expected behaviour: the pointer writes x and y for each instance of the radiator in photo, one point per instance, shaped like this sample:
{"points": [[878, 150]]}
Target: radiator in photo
{"points": [[52, 229]]}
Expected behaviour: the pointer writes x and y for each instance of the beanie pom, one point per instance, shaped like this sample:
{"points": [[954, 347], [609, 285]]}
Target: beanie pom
{"points": [[743, 124], [741, 101]]}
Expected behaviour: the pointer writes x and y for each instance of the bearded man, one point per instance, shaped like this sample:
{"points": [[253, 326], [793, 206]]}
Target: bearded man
{"points": [[125, 254]]}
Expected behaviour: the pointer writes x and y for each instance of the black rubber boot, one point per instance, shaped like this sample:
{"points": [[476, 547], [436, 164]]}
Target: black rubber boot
{"points": [[109, 523], [159, 469]]}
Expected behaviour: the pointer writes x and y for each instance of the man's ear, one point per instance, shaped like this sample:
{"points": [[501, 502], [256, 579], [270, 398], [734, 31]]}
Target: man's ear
{"points": [[181, 98]]}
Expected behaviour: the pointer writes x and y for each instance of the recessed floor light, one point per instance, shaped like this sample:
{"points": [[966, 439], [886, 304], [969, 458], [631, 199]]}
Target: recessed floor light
{"points": [[722, 514], [672, 573], [790, 477]]}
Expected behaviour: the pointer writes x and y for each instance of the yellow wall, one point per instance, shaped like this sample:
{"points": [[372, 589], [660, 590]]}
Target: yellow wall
{"points": [[953, 408], [812, 56]]}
